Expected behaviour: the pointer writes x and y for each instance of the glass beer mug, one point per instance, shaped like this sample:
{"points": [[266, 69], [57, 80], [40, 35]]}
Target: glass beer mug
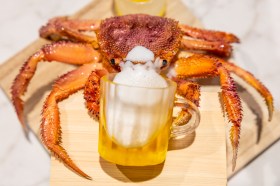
{"points": [[136, 122]]}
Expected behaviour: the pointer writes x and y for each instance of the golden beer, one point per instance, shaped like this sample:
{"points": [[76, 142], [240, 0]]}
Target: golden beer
{"points": [[152, 7], [154, 152], [136, 122]]}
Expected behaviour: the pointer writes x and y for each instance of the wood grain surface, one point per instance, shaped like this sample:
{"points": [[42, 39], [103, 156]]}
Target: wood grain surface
{"points": [[256, 136]]}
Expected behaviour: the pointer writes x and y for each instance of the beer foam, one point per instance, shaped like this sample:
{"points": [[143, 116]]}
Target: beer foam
{"points": [[140, 53], [140, 75]]}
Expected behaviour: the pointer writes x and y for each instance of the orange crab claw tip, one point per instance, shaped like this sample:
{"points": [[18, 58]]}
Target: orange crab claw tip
{"points": [[237, 40], [234, 159], [19, 111], [18, 105], [88, 177], [23, 124], [81, 173], [270, 116], [234, 136]]}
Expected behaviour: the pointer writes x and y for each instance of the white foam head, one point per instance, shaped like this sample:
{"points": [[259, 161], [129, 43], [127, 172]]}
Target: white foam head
{"points": [[140, 53], [140, 75]]}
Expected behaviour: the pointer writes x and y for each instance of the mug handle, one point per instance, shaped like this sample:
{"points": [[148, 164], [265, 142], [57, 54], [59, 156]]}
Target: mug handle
{"points": [[192, 123]]}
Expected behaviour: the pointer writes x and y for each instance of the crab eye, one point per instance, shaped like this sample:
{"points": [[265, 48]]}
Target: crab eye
{"points": [[164, 62], [112, 61]]}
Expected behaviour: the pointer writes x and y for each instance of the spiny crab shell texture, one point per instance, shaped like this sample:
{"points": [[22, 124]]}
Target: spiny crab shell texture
{"points": [[118, 35]]}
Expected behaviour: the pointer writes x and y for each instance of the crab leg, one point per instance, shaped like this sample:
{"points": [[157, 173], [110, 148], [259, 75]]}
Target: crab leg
{"points": [[50, 126], [200, 66], [215, 47], [190, 91], [249, 78], [209, 35], [92, 91], [65, 52], [60, 27]]}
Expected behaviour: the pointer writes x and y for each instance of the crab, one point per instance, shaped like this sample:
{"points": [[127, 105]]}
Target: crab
{"points": [[99, 46]]}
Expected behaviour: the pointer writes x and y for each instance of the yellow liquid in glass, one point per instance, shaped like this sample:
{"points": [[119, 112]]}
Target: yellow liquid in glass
{"points": [[152, 7], [154, 152], [140, 1]]}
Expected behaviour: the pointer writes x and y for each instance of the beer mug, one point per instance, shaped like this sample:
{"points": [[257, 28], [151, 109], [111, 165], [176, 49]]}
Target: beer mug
{"points": [[135, 123]]}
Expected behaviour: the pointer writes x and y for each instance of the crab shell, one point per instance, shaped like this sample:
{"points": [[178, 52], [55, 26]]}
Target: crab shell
{"points": [[118, 35]]}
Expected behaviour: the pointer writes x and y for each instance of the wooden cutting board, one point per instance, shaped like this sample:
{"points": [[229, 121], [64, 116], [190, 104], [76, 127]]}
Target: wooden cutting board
{"points": [[257, 134]]}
